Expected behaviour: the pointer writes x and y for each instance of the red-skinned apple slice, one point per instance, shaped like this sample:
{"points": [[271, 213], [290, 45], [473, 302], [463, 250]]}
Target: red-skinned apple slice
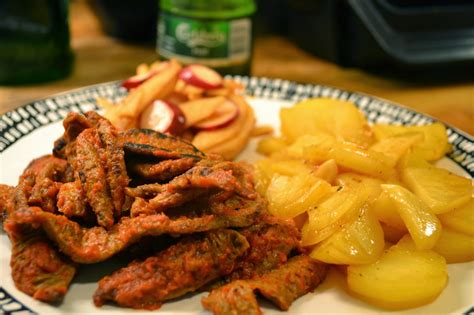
{"points": [[138, 79], [201, 76], [222, 117], [163, 117]]}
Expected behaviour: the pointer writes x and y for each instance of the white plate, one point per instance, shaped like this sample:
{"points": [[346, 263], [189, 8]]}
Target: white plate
{"points": [[30, 131]]}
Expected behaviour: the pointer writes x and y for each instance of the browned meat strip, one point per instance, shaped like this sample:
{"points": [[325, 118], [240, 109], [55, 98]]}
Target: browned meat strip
{"points": [[144, 191], [151, 143], [162, 171], [39, 271], [180, 269], [281, 286], [46, 171], [5, 197], [117, 177], [91, 173], [44, 194], [74, 124], [71, 199], [204, 178], [285, 284], [236, 298], [271, 241], [90, 245]]}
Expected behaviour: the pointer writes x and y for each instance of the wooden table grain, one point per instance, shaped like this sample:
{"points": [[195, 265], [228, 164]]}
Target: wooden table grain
{"points": [[100, 58]]}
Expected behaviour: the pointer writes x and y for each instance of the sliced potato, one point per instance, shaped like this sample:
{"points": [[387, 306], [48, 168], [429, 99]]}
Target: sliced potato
{"points": [[433, 147], [330, 215], [370, 183], [263, 174], [358, 242], [321, 140], [454, 246], [339, 118], [352, 157], [291, 167], [395, 147], [441, 190], [392, 234], [403, 277], [289, 196], [327, 171], [423, 226], [460, 219], [412, 159], [386, 211]]}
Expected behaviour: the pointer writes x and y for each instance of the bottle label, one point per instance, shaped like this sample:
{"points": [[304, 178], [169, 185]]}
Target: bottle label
{"points": [[210, 42]]}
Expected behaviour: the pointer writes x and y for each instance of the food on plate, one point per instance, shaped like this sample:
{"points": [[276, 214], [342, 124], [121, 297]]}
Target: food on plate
{"points": [[355, 190], [194, 102], [179, 269], [281, 286], [201, 76], [164, 117], [403, 277], [178, 219]]}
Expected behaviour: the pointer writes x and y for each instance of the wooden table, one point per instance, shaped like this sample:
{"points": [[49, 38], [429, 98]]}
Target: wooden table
{"points": [[99, 58]]}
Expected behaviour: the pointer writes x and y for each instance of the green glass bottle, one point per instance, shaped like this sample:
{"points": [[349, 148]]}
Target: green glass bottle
{"points": [[34, 41], [216, 33]]}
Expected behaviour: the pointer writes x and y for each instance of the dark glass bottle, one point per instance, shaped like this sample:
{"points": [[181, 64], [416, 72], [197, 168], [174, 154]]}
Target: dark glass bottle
{"points": [[34, 41], [214, 33]]}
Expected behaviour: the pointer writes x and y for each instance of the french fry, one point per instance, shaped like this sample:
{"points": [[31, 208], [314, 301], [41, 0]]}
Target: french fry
{"points": [[262, 130], [125, 114], [104, 103], [142, 68]]}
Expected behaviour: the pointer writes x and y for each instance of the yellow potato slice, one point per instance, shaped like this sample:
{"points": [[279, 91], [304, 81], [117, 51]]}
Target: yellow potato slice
{"points": [[289, 196], [454, 246], [321, 140], [331, 214], [358, 242], [412, 159], [339, 118], [403, 277], [391, 234], [433, 147], [441, 190], [396, 146], [423, 226], [327, 171], [263, 174], [291, 167], [200, 109], [351, 156], [460, 219], [385, 210], [354, 179], [271, 145]]}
